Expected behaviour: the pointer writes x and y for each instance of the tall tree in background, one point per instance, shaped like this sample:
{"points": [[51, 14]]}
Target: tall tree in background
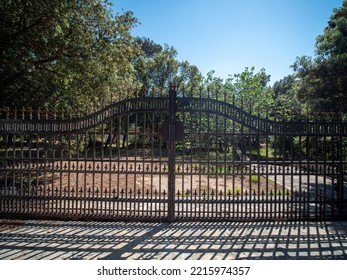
{"points": [[63, 53], [322, 81], [189, 77], [286, 102], [251, 87], [143, 63], [156, 66]]}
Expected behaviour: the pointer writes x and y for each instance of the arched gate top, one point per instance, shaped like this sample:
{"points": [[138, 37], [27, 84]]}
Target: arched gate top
{"points": [[183, 104]]}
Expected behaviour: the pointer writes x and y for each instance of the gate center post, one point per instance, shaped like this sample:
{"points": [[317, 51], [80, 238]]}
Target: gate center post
{"points": [[171, 153]]}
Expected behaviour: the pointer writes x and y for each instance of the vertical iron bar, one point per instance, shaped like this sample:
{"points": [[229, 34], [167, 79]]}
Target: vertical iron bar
{"points": [[308, 189], [232, 195], [180, 209], [190, 194], [144, 204], [161, 210], [317, 188], [265, 195], [21, 173], [101, 207], [186, 202], [83, 191], [325, 171], [75, 187], [285, 154], [248, 148], [299, 195], [207, 201], [274, 193], [340, 187], [280, 192], [136, 196], [334, 188], [10, 192], [259, 177], [91, 195], [110, 170], [5, 182], [172, 154], [225, 149], [217, 137], [289, 196], [151, 137], [117, 192], [127, 168], [67, 191], [242, 149], [10, 188], [52, 166], [199, 132]]}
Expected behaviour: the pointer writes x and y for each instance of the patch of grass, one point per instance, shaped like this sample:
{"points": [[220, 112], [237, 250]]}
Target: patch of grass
{"points": [[255, 178], [234, 191], [264, 153]]}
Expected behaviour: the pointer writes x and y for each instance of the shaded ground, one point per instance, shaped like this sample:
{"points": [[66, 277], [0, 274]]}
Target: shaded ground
{"points": [[10, 225], [182, 240]]}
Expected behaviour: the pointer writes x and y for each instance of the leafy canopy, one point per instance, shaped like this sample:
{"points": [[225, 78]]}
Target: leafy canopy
{"points": [[322, 81], [63, 53]]}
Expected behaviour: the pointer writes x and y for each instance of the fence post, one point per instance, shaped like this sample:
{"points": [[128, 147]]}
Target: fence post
{"points": [[172, 153], [340, 178]]}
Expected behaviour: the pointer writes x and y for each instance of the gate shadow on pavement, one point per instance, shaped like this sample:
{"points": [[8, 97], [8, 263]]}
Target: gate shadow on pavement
{"points": [[45, 239]]}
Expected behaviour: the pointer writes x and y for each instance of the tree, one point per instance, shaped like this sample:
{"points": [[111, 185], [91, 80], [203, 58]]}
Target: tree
{"points": [[286, 102], [63, 53], [251, 88], [156, 66], [148, 47], [165, 67], [189, 78], [322, 81]]}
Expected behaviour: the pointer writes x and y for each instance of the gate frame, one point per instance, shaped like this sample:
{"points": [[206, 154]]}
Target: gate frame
{"points": [[129, 106]]}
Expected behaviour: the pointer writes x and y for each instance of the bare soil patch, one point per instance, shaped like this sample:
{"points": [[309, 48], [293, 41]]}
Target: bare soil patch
{"points": [[147, 180]]}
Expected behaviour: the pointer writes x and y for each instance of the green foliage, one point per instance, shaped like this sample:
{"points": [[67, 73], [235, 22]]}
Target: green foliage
{"points": [[286, 103], [63, 53], [156, 66], [334, 40], [250, 87], [264, 152], [76, 55], [189, 77], [255, 178], [322, 81]]}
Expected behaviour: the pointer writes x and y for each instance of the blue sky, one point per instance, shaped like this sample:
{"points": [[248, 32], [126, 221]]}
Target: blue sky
{"points": [[229, 35]]}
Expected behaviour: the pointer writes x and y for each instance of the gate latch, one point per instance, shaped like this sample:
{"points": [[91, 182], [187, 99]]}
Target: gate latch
{"points": [[179, 131]]}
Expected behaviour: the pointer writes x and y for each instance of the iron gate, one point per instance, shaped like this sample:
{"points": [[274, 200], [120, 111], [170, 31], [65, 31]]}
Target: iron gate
{"points": [[171, 158]]}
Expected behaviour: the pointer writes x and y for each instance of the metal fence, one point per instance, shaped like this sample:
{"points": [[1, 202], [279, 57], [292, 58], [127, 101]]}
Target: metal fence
{"points": [[172, 158]]}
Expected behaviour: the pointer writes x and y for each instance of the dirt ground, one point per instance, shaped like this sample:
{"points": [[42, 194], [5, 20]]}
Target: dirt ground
{"points": [[140, 183], [146, 176]]}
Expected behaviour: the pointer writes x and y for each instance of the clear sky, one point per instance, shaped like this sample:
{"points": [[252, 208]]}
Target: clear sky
{"points": [[229, 35]]}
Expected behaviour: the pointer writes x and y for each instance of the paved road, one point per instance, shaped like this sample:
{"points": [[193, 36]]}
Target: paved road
{"points": [[44, 239]]}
